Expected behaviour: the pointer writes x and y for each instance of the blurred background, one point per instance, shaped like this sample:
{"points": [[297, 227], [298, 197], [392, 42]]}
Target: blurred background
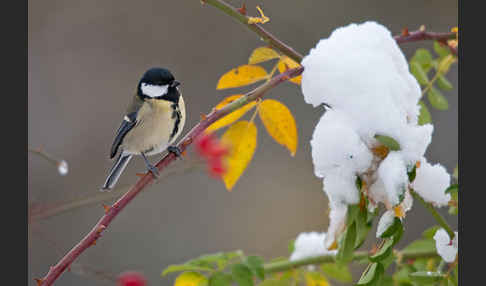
{"points": [[85, 59]]}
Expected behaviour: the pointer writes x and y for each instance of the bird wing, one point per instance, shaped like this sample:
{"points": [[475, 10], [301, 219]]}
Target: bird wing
{"points": [[127, 124]]}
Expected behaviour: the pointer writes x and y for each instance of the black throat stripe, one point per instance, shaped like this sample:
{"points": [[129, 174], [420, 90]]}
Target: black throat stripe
{"points": [[176, 113]]}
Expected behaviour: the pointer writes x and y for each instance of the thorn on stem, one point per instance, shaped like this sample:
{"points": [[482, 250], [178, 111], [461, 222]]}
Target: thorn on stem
{"points": [[242, 10], [405, 32], [39, 281], [107, 208], [140, 174], [101, 228], [203, 116]]}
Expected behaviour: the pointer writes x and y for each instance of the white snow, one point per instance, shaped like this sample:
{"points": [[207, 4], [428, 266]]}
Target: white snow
{"points": [[62, 168], [431, 182], [393, 174], [310, 244], [360, 71], [385, 222], [446, 248]]}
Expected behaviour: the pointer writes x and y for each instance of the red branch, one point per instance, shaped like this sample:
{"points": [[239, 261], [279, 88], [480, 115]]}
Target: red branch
{"points": [[118, 206], [422, 35]]}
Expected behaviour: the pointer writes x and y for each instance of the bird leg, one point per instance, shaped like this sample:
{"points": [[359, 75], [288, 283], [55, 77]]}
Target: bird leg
{"points": [[152, 169]]}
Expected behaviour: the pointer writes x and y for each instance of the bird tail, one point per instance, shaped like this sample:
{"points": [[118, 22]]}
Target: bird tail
{"points": [[116, 170]]}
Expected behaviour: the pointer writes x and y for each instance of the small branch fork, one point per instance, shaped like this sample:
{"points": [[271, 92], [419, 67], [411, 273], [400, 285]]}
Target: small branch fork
{"points": [[112, 211]]}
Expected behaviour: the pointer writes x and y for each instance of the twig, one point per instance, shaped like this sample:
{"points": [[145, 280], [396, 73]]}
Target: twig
{"points": [[286, 265], [44, 212], [440, 220], [90, 239], [421, 35], [61, 165]]}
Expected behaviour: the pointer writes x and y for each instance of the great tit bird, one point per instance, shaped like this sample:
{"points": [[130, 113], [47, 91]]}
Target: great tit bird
{"points": [[152, 122]]}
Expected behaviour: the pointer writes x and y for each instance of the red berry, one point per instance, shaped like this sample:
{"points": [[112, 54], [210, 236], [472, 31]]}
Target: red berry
{"points": [[131, 278], [216, 167]]}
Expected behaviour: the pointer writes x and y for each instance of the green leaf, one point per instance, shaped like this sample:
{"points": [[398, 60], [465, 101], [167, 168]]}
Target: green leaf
{"points": [[384, 252], [443, 83], [397, 235], [430, 232], [441, 50], [426, 244], [346, 245], [426, 277], [436, 99], [362, 227], [452, 189], [392, 229], [453, 210], [373, 275], [184, 267], [337, 272], [455, 174], [255, 263], [291, 246], [424, 116], [220, 279], [389, 142], [242, 275], [402, 276], [424, 58], [419, 73], [353, 211], [273, 282]]}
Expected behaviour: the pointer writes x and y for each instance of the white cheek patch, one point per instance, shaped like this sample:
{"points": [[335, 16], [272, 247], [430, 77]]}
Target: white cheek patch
{"points": [[154, 90]]}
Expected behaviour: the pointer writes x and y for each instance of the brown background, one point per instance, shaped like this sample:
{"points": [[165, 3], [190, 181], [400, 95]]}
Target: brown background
{"points": [[85, 58]]}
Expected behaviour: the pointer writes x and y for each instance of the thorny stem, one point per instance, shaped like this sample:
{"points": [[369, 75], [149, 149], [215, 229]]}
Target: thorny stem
{"points": [[440, 220], [358, 255], [421, 35], [90, 239]]}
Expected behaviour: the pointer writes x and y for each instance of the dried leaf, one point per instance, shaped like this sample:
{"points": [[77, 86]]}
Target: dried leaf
{"points": [[241, 76], [262, 54], [233, 116], [262, 19], [280, 123], [287, 63], [242, 139]]}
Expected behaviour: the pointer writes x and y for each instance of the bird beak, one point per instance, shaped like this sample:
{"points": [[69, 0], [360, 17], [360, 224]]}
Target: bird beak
{"points": [[175, 83]]}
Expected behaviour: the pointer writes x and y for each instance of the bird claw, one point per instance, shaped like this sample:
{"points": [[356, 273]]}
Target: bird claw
{"points": [[155, 172], [175, 150]]}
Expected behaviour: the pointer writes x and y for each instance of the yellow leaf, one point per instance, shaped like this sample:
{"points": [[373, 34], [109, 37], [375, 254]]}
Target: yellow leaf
{"points": [[242, 139], [262, 54], [190, 278], [315, 279], [233, 116], [287, 63], [280, 123], [241, 76]]}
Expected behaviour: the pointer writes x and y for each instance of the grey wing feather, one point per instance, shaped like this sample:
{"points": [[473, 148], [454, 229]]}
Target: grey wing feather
{"points": [[126, 125]]}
